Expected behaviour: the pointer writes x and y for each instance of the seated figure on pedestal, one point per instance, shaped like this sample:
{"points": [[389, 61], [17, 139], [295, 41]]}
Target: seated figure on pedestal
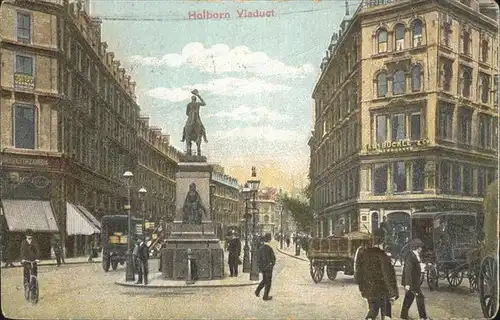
{"points": [[193, 209]]}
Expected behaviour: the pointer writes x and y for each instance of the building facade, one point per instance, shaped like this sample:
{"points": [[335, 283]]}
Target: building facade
{"points": [[406, 113], [226, 202], [69, 122]]}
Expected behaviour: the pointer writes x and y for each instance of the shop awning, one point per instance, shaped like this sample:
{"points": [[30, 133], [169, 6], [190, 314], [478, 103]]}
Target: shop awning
{"points": [[89, 216], [77, 223], [22, 215]]}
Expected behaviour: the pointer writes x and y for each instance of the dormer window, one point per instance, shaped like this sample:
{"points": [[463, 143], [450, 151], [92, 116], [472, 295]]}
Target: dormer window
{"points": [[382, 40], [417, 33], [400, 37]]}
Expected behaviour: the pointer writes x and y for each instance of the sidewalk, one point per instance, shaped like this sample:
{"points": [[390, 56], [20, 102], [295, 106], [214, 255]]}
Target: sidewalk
{"points": [[290, 251], [76, 260]]}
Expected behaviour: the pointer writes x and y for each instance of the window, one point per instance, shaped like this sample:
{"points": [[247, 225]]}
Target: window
{"points": [[484, 131], [484, 50], [467, 175], [465, 126], [415, 126], [485, 88], [481, 181], [380, 179], [24, 126], [398, 127], [446, 33], [417, 175], [457, 182], [465, 42], [381, 85], [446, 75], [399, 82], [400, 37], [417, 33], [465, 83], [23, 27], [444, 176], [415, 78], [445, 118], [382, 40], [398, 176], [24, 65]]}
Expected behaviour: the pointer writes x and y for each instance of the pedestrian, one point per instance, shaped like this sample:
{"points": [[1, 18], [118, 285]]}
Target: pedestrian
{"points": [[142, 257], [94, 246], [234, 248], [266, 260], [57, 248], [377, 279], [411, 280], [287, 242], [135, 255], [29, 253]]}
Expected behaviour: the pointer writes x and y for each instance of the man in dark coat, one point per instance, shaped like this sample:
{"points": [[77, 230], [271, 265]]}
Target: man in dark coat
{"points": [[234, 248], [377, 279], [29, 253], [266, 260], [411, 280], [142, 257], [57, 247]]}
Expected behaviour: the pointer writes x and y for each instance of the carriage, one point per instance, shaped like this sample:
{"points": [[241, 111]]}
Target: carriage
{"points": [[487, 272], [397, 234], [336, 254]]}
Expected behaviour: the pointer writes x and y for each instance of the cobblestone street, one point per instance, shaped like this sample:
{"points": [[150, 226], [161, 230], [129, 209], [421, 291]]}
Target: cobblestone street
{"points": [[86, 291]]}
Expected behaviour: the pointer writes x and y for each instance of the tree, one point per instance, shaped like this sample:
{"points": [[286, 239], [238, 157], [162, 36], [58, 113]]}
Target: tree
{"points": [[300, 211]]}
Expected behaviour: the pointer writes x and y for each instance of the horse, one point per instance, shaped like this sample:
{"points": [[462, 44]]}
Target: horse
{"points": [[193, 134]]}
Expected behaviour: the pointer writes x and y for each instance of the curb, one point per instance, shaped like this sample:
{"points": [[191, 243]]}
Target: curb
{"points": [[55, 264], [195, 285], [291, 255]]}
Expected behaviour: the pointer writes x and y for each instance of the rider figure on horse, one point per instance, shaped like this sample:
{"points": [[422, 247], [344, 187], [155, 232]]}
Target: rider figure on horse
{"points": [[193, 113]]}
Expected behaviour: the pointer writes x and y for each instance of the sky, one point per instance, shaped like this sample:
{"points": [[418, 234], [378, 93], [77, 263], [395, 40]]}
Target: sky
{"points": [[256, 74]]}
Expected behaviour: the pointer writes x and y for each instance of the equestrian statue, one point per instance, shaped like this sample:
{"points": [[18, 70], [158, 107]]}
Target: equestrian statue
{"points": [[194, 130]]}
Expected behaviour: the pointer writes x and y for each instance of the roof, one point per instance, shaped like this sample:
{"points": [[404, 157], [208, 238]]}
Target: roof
{"points": [[435, 214]]}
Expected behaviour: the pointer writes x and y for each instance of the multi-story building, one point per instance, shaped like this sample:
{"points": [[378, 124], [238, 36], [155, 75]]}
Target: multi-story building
{"points": [[69, 122], [226, 202], [156, 169], [406, 112]]}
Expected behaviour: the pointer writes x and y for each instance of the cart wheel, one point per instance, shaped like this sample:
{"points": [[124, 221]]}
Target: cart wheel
{"points": [[317, 271], [487, 284], [472, 276], [105, 263], [331, 272], [432, 277], [454, 278]]}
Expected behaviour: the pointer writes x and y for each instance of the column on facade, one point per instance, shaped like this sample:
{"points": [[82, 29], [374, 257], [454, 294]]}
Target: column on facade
{"points": [[321, 229], [365, 180], [330, 226]]}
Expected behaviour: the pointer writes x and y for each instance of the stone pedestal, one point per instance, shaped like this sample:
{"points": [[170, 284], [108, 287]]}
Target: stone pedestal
{"points": [[205, 246]]}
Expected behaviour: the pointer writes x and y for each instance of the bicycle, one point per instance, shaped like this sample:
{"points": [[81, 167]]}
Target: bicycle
{"points": [[31, 289]]}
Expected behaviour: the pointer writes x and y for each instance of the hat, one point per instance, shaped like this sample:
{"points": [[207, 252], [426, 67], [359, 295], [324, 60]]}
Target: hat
{"points": [[29, 232], [416, 243]]}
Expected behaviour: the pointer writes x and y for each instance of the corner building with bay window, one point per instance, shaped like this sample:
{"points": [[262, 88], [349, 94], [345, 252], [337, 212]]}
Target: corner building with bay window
{"points": [[406, 113]]}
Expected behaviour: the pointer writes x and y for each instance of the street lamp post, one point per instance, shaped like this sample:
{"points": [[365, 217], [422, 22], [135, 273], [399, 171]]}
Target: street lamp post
{"points": [[142, 194], [253, 182], [129, 272], [281, 207], [246, 249]]}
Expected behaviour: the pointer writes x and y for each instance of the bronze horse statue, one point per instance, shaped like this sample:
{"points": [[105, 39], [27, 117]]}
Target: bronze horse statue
{"points": [[194, 130]]}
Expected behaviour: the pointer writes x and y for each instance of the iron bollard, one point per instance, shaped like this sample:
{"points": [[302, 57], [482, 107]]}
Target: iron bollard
{"points": [[297, 249], [189, 279]]}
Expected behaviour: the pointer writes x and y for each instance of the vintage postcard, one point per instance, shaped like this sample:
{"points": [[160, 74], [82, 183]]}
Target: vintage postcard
{"points": [[249, 159]]}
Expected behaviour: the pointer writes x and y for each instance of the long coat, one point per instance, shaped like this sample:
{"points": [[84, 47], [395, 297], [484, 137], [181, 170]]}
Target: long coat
{"points": [[266, 258], [411, 272], [376, 275], [234, 247]]}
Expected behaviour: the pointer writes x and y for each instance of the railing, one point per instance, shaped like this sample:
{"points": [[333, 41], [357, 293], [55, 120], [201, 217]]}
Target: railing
{"points": [[376, 3]]}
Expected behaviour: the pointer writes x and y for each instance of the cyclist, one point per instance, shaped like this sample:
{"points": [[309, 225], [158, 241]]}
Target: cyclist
{"points": [[29, 253]]}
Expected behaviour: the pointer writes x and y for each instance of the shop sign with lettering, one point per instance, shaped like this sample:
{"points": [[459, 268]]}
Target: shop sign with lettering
{"points": [[398, 145]]}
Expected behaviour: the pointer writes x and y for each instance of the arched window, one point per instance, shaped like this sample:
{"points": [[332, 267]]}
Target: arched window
{"points": [[417, 33], [446, 75], [381, 85], [382, 40], [485, 89], [399, 82], [466, 82], [416, 78], [399, 32]]}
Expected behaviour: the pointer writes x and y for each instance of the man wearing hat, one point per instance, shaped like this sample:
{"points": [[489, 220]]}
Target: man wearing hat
{"points": [[29, 253], [266, 260], [234, 248], [143, 256], [411, 280], [377, 279]]}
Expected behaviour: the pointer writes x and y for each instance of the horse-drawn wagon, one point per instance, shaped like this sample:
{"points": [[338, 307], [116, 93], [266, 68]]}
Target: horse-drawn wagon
{"points": [[336, 254]]}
